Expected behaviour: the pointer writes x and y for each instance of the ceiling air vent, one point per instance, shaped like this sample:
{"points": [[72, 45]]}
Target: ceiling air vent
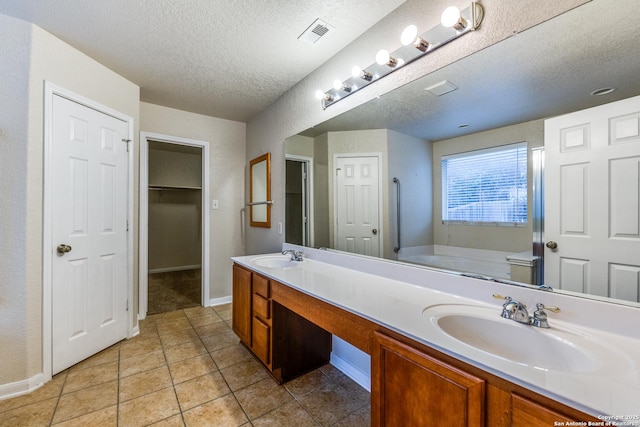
{"points": [[441, 88], [315, 31]]}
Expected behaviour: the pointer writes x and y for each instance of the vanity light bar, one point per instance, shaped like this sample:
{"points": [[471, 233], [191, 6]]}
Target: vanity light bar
{"points": [[469, 20]]}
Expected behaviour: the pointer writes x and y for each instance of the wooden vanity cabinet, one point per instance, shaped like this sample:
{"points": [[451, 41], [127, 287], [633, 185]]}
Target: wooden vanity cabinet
{"points": [[285, 342], [412, 384], [251, 312], [413, 388]]}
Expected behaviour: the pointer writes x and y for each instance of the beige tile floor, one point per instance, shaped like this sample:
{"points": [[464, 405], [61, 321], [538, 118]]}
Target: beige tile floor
{"points": [[187, 368]]}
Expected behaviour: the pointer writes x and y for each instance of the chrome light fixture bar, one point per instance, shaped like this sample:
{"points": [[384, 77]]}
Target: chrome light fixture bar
{"points": [[454, 23]]}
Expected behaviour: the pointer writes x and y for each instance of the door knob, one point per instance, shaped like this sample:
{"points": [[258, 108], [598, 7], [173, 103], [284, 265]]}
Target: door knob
{"points": [[551, 245], [374, 231], [63, 249]]}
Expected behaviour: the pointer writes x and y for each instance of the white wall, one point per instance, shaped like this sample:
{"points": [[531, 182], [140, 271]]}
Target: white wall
{"points": [[226, 140], [300, 145], [410, 160], [18, 320], [28, 57], [321, 218]]}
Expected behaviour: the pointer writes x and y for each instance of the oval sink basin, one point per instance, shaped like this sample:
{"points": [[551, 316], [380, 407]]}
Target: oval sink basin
{"points": [[275, 261], [554, 349]]}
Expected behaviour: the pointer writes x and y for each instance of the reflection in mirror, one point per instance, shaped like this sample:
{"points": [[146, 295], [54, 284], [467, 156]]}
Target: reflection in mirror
{"points": [[505, 95], [260, 191]]}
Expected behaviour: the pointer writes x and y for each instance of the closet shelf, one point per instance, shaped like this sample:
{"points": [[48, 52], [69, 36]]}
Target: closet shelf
{"points": [[172, 187]]}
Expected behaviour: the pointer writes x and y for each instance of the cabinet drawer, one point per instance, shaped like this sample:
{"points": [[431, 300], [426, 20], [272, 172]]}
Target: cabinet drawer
{"points": [[261, 307], [261, 343], [261, 286]]}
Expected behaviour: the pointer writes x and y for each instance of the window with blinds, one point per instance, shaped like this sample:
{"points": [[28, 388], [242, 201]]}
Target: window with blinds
{"points": [[486, 186]]}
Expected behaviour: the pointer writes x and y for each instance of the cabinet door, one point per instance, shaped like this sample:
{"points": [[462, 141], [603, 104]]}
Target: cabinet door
{"points": [[261, 343], [414, 389], [527, 413], [241, 304]]}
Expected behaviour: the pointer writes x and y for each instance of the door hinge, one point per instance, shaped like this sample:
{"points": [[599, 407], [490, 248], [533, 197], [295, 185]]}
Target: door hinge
{"points": [[127, 305], [127, 225], [126, 141]]}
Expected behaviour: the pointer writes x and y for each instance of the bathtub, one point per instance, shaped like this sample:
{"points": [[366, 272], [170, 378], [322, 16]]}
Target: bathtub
{"points": [[479, 261]]}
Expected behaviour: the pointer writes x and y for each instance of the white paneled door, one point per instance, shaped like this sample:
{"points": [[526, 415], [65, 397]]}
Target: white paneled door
{"points": [[89, 166], [592, 200], [357, 205]]}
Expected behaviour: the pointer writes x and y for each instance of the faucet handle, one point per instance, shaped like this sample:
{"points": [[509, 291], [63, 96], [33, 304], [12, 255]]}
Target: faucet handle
{"points": [[498, 296], [541, 306], [539, 318]]}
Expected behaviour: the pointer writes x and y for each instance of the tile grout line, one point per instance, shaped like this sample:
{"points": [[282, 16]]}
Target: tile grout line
{"points": [[219, 370], [55, 409], [118, 392], [173, 385]]}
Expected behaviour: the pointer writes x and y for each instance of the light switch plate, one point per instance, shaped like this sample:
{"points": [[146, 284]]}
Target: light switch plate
{"points": [[214, 204]]}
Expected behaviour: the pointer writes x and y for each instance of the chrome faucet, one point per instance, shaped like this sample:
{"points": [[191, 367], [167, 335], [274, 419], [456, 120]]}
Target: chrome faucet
{"points": [[295, 255], [516, 311]]}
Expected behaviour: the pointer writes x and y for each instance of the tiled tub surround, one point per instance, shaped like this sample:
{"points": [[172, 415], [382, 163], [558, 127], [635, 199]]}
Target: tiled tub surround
{"points": [[186, 367], [395, 295]]}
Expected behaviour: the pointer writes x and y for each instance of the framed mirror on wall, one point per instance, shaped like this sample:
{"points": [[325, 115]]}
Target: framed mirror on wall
{"points": [[260, 191], [511, 92]]}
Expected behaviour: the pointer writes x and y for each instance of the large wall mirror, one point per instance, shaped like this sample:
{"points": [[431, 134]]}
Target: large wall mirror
{"points": [[260, 191], [391, 158]]}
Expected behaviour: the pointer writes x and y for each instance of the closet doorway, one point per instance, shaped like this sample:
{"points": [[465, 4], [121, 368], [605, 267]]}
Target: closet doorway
{"points": [[299, 200], [174, 260]]}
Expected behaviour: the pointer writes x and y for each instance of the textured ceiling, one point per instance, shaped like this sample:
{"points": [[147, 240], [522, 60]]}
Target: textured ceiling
{"points": [[548, 70], [223, 58]]}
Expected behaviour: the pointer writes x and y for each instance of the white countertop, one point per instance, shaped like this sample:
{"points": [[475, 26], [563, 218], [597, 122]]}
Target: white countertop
{"points": [[395, 296]]}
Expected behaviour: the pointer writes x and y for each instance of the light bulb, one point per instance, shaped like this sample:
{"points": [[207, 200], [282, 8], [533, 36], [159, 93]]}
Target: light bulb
{"points": [[338, 85], [451, 18], [382, 57], [358, 72], [320, 94], [409, 35]]}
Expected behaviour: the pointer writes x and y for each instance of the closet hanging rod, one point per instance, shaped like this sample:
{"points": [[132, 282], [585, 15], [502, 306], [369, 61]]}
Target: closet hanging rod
{"points": [[267, 202], [171, 188]]}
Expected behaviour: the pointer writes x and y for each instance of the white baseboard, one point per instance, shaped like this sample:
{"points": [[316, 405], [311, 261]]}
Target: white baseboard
{"points": [[179, 268], [134, 331], [219, 301], [351, 371], [7, 391]]}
